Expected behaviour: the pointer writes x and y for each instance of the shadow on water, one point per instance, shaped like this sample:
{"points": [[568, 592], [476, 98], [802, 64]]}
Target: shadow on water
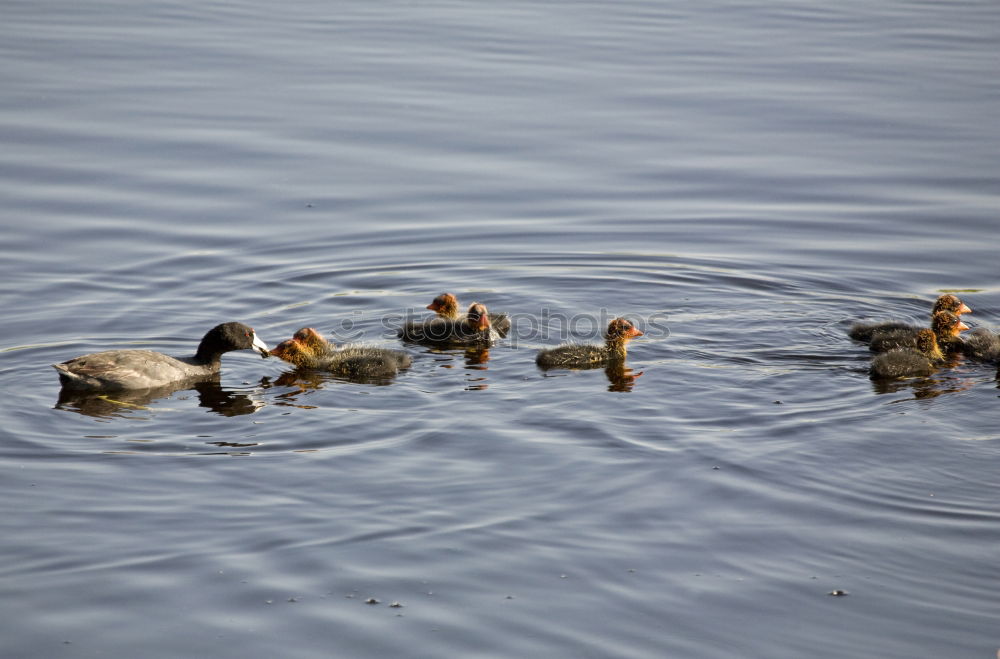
{"points": [[107, 405], [620, 377], [941, 381], [473, 358], [921, 388], [308, 379]]}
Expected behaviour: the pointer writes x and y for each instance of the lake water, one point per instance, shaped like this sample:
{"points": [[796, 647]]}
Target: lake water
{"points": [[742, 179]]}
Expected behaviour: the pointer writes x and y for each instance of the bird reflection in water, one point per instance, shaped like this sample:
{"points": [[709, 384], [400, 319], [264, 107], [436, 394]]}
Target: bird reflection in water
{"points": [[620, 377], [129, 403], [476, 359], [922, 388], [307, 379], [928, 386], [303, 381]]}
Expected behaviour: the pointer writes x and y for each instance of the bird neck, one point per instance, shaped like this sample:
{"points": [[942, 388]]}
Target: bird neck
{"points": [[208, 352], [947, 337], [616, 347]]}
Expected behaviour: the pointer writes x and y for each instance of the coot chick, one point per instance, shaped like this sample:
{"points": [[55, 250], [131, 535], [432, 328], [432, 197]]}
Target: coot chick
{"points": [[574, 355], [471, 330], [308, 349], [312, 342], [946, 327], [866, 331], [909, 362], [982, 345], [446, 306], [144, 369]]}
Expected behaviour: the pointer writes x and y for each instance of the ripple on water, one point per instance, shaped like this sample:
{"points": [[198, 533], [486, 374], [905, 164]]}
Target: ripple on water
{"points": [[724, 340]]}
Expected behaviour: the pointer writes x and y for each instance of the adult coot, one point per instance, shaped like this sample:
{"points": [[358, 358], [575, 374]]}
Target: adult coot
{"points": [[144, 369]]}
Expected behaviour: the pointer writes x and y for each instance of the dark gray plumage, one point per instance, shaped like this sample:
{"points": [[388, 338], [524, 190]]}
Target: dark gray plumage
{"points": [[921, 360], [865, 332], [143, 369]]}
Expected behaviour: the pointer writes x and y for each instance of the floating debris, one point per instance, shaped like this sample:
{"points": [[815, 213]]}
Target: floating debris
{"points": [[371, 600], [838, 593], [395, 605]]}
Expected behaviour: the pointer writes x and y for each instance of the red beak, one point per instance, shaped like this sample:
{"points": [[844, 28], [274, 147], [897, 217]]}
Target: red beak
{"points": [[484, 323], [963, 309], [633, 333], [962, 326], [433, 306]]}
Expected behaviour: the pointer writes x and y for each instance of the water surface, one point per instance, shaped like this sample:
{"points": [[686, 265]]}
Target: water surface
{"points": [[741, 179]]}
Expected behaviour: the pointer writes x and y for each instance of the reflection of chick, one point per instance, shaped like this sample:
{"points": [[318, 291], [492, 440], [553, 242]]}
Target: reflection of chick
{"points": [[471, 330], [620, 378], [477, 356], [946, 327], [908, 362], [572, 355], [308, 349], [867, 331], [446, 306]]}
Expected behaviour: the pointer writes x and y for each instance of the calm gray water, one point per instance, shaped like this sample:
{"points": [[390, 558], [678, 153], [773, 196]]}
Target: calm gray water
{"points": [[742, 179]]}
